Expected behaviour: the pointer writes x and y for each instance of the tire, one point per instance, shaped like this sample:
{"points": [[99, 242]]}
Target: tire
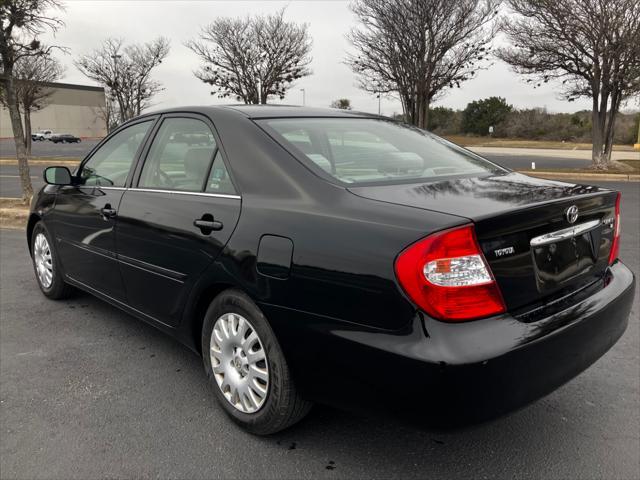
{"points": [[57, 289], [281, 406]]}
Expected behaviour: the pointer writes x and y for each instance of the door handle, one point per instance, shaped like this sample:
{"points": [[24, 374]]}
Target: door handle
{"points": [[207, 224], [108, 212]]}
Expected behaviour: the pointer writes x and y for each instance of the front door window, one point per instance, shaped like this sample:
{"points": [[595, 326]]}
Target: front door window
{"points": [[109, 166]]}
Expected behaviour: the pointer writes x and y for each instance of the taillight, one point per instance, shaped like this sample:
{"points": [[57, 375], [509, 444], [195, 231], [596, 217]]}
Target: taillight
{"points": [[446, 275], [615, 244]]}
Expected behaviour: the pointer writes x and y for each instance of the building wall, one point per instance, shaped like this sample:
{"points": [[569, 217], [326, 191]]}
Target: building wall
{"points": [[72, 109]]}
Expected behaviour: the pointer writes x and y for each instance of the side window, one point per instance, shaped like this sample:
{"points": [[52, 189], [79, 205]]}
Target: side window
{"points": [[110, 164], [219, 181], [180, 156]]}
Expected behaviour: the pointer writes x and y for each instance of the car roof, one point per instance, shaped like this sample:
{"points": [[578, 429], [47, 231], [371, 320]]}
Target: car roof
{"points": [[272, 111], [275, 111]]}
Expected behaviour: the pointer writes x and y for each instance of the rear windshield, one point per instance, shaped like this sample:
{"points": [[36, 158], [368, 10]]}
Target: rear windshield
{"points": [[362, 150]]}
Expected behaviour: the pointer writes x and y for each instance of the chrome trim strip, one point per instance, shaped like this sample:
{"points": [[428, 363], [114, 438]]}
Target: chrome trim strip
{"points": [[99, 187], [564, 234], [178, 192]]}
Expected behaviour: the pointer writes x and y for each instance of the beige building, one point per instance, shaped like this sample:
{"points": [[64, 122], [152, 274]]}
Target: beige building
{"points": [[74, 109]]}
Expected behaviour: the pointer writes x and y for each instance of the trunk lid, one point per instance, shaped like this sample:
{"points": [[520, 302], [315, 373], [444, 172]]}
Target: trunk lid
{"points": [[535, 253]]}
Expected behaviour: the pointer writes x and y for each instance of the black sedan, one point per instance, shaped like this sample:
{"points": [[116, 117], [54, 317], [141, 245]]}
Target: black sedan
{"points": [[65, 138], [338, 257]]}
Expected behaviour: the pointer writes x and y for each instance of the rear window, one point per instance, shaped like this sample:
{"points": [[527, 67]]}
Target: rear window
{"points": [[362, 150]]}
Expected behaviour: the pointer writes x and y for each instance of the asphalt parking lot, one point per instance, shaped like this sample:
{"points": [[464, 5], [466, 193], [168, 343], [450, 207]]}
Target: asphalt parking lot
{"points": [[88, 392]]}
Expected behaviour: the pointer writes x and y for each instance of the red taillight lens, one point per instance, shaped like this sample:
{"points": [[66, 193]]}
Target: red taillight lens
{"points": [[446, 275], [615, 244]]}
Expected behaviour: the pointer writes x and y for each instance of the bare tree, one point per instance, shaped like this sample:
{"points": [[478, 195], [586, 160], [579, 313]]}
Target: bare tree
{"points": [[21, 23], [125, 73], [592, 46], [417, 49], [31, 78], [252, 58], [109, 113]]}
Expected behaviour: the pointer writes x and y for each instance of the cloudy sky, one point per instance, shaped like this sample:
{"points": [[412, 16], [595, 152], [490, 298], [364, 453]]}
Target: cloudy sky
{"points": [[88, 22]]}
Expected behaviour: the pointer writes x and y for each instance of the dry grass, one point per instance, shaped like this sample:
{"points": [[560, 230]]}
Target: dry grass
{"points": [[13, 213], [470, 141], [46, 161]]}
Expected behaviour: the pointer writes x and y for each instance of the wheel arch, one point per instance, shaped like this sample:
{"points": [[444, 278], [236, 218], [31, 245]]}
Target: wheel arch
{"points": [[31, 223], [197, 308]]}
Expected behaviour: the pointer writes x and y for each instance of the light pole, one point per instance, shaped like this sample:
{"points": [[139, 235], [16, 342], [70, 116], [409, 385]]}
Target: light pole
{"points": [[303, 97], [259, 91], [116, 57], [379, 102]]}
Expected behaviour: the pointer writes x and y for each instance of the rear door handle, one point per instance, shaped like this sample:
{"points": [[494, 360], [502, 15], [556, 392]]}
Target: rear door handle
{"points": [[207, 224], [108, 212]]}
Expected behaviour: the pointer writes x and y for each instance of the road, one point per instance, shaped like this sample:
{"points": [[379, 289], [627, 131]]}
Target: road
{"points": [[514, 158], [88, 392], [48, 149]]}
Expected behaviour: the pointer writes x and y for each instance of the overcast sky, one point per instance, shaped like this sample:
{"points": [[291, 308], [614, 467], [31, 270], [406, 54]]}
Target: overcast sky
{"points": [[88, 22]]}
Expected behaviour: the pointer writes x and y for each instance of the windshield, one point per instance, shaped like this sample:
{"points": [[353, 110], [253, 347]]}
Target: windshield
{"points": [[362, 150]]}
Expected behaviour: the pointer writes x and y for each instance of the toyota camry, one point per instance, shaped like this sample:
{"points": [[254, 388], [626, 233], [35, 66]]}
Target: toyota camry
{"points": [[314, 255]]}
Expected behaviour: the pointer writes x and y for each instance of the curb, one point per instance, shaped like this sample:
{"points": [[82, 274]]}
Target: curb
{"points": [[620, 177]]}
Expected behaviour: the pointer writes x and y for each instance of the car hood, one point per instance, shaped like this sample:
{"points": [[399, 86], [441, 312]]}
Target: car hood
{"points": [[478, 197]]}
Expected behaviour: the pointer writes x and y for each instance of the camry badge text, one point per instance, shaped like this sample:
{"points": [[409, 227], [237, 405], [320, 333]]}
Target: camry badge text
{"points": [[501, 252]]}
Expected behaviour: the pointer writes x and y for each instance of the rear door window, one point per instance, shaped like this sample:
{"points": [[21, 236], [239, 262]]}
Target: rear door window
{"points": [[219, 180], [180, 156]]}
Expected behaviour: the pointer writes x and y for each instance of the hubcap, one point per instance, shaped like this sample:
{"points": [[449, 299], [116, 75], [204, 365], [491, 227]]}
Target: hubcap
{"points": [[43, 260], [239, 363]]}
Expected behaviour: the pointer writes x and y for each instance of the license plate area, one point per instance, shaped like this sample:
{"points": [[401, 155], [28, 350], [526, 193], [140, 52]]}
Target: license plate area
{"points": [[562, 256]]}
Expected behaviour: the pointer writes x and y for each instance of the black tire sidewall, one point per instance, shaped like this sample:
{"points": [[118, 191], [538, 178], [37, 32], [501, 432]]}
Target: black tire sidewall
{"points": [[234, 301]]}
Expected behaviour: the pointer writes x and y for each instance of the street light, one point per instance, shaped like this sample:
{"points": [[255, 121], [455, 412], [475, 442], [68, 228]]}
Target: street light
{"points": [[303, 97], [379, 103]]}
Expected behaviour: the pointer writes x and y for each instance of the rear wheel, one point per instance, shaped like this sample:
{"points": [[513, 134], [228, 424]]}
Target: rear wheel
{"points": [[245, 364], [46, 264]]}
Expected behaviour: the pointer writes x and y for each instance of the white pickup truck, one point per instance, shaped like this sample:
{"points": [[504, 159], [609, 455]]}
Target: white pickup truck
{"points": [[42, 135]]}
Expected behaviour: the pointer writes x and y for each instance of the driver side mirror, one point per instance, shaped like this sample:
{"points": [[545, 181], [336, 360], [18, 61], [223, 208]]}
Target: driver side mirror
{"points": [[57, 176]]}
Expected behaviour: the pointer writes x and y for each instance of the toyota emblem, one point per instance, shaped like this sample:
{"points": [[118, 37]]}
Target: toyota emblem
{"points": [[571, 214]]}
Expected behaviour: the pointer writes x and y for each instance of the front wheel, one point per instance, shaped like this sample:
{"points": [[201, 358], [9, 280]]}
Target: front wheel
{"points": [[247, 368], [46, 264]]}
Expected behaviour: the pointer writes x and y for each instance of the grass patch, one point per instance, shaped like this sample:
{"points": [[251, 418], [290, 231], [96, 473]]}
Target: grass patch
{"points": [[13, 213], [45, 161], [471, 141], [633, 163]]}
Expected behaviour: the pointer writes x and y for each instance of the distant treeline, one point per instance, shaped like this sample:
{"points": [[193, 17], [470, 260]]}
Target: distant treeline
{"points": [[530, 124]]}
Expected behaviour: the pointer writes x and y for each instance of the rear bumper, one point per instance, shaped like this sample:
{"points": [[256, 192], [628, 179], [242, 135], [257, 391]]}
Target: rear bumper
{"points": [[453, 374], [526, 361]]}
